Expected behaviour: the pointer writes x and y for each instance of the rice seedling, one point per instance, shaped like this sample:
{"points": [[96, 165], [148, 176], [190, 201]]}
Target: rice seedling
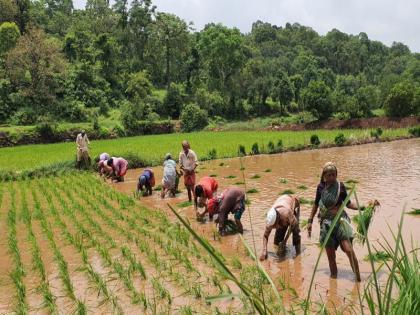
{"points": [[256, 176], [242, 168], [184, 204], [351, 181], [378, 256], [236, 263], [302, 187], [283, 181], [414, 211], [213, 175], [230, 177], [268, 170], [18, 272], [162, 292], [158, 188], [239, 183], [252, 191], [221, 164], [186, 310], [364, 219], [305, 201], [287, 192], [38, 265]]}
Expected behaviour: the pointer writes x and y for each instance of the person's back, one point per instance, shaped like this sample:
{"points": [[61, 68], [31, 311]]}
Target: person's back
{"points": [[209, 185], [284, 205], [169, 168], [231, 197]]}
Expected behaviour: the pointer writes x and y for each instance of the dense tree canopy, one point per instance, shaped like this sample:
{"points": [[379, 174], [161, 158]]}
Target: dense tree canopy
{"points": [[71, 64]]}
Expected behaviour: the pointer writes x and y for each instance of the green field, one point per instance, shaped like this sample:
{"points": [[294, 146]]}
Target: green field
{"points": [[152, 149]]}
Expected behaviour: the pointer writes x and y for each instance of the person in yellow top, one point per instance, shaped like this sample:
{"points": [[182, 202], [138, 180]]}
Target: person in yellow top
{"points": [[82, 153]]}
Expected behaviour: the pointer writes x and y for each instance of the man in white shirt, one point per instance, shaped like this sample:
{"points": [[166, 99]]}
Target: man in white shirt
{"points": [[188, 162], [82, 153]]}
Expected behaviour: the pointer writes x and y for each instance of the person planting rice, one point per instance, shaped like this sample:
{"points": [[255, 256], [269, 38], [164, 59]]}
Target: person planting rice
{"points": [[146, 182], [104, 156], [232, 200], [104, 169], [188, 163], [119, 168], [206, 189], [330, 196], [284, 217], [82, 152], [170, 176]]}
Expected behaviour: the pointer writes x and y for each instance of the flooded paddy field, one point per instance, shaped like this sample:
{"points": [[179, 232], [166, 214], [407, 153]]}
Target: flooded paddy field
{"points": [[73, 244], [389, 172]]}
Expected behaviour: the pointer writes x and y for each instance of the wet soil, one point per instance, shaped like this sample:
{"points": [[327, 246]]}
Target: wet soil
{"points": [[389, 172]]}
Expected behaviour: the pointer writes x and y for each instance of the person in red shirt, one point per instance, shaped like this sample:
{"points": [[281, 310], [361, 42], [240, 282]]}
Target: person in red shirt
{"points": [[205, 189]]}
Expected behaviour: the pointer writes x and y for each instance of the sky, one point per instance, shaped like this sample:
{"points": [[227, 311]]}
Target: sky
{"points": [[383, 20]]}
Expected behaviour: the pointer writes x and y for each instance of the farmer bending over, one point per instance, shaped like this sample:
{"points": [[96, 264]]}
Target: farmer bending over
{"points": [[232, 200], [283, 215], [206, 189], [146, 182], [170, 176], [119, 167]]}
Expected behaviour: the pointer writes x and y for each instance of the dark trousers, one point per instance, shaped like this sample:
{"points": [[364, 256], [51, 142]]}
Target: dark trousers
{"points": [[281, 233]]}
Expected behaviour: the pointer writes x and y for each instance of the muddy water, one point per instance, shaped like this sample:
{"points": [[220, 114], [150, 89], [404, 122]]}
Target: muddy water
{"points": [[389, 172]]}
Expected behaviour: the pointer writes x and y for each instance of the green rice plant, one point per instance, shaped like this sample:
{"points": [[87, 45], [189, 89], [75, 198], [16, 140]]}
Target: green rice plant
{"points": [[305, 201], [302, 187], [162, 292], [303, 224], [221, 164], [378, 256], [414, 211], [252, 191], [158, 188], [186, 310], [153, 147], [184, 204], [230, 177], [254, 149], [18, 272], [268, 170], [221, 266], [256, 176], [239, 183], [236, 263], [213, 175], [135, 265], [364, 219], [247, 201], [283, 181], [38, 265], [241, 150], [351, 181], [287, 192]]}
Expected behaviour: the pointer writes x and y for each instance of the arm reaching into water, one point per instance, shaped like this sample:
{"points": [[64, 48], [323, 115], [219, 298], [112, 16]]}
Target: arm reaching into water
{"points": [[265, 241]]}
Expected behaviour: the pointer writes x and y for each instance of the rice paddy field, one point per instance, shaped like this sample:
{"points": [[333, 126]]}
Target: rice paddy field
{"points": [[74, 244], [151, 149]]}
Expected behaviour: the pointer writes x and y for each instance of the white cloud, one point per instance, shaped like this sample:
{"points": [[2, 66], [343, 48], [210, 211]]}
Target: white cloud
{"points": [[384, 20]]}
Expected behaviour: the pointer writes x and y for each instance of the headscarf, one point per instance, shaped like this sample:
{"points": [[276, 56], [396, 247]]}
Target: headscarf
{"points": [[271, 216], [328, 167], [168, 156]]}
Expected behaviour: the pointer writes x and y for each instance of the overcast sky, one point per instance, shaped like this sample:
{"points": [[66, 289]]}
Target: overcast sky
{"points": [[384, 20]]}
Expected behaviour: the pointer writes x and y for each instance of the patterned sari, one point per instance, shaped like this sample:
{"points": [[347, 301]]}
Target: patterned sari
{"points": [[342, 229]]}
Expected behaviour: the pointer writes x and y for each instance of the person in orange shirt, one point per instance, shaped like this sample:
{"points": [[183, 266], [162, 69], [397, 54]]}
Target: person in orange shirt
{"points": [[204, 190]]}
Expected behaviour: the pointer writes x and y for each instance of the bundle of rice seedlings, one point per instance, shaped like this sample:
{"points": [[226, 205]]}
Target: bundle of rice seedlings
{"points": [[252, 191], [364, 219], [379, 256], [287, 192], [414, 211]]}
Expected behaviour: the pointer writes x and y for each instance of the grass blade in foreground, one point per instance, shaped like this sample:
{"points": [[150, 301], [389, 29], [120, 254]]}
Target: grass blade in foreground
{"points": [[255, 300]]}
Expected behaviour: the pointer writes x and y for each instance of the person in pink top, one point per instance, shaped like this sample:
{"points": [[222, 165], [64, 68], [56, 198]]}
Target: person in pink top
{"points": [[119, 166]]}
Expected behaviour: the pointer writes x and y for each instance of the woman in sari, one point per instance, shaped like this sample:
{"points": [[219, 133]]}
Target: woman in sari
{"points": [[330, 196]]}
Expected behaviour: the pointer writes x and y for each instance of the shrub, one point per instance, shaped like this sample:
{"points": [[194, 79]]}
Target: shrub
{"points": [[400, 101], [119, 131], [255, 149], [271, 148], [415, 131], [280, 145], [46, 129], [212, 155], [193, 118], [241, 150], [376, 133], [316, 97], [315, 140], [340, 139], [24, 116]]}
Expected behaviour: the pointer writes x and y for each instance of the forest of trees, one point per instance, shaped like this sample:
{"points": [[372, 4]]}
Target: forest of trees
{"points": [[71, 65]]}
